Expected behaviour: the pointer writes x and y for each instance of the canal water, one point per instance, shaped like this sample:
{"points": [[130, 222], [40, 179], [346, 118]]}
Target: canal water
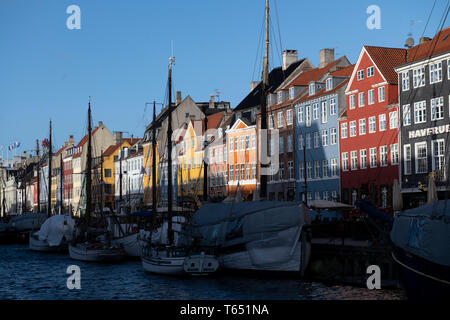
{"points": [[32, 275]]}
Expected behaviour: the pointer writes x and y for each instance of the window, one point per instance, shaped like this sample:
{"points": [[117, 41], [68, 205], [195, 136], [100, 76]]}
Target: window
{"points": [[329, 84], [107, 173], [369, 72], [333, 136], [382, 122], [362, 126], [281, 171], [301, 171], [315, 111], [291, 169], [289, 143], [419, 77], [300, 114], [254, 171], [236, 147], [231, 172], [281, 145], [383, 156], [371, 97], [354, 160], [343, 130], [372, 124], [406, 115], [312, 89], [291, 93], [344, 161], [280, 97], [236, 171], [405, 81], [352, 101], [361, 99], [437, 108], [381, 94], [420, 112], [407, 159], [242, 141], [308, 116], [334, 167], [316, 139], [288, 117], [308, 170], [325, 168], [373, 157], [394, 154], [247, 142], [301, 142], [308, 141], [324, 112], [353, 128], [333, 109], [334, 195], [384, 197], [253, 140], [271, 121], [363, 158], [421, 157], [439, 158], [247, 172], [325, 195], [280, 119], [242, 171], [360, 75], [393, 120], [231, 144], [324, 138], [436, 72], [316, 169]]}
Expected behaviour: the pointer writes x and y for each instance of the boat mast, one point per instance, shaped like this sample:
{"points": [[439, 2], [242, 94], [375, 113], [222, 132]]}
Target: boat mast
{"points": [[38, 177], [101, 183], [305, 175], [154, 158], [89, 168], [205, 163], [62, 184], [49, 206], [169, 153], [265, 85], [120, 177]]}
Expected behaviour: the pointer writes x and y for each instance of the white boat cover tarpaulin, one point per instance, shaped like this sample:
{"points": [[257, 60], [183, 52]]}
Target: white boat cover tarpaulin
{"points": [[55, 228], [425, 232], [262, 226]]}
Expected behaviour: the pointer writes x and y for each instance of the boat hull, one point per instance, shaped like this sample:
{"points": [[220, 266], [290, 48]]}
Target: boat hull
{"points": [[164, 266], [201, 264], [130, 244], [422, 279], [83, 253]]}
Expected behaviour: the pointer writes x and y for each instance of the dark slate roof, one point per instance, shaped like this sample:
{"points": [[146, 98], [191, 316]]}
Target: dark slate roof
{"points": [[276, 77]]}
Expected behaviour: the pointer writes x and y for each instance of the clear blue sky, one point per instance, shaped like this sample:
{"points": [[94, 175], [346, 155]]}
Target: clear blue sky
{"points": [[120, 55]]}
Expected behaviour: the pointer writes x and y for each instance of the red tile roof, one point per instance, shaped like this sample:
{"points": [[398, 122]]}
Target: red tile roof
{"points": [[312, 75], [439, 44], [343, 71], [386, 59]]}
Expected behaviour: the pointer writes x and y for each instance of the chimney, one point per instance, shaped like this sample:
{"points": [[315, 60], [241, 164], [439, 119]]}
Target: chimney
{"points": [[211, 102], [253, 85], [71, 140], [326, 57], [117, 137], [424, 39], [178, 99], [289, 56]]}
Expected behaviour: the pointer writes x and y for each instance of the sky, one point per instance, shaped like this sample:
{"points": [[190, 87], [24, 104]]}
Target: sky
{"points": [[120, 54]]}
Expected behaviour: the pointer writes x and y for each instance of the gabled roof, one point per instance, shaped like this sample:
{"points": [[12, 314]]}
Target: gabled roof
{"points": [[276, 77], [386, 59], [313, 75], [343, 71], [323, 92], [439, 44], [85, 138]]}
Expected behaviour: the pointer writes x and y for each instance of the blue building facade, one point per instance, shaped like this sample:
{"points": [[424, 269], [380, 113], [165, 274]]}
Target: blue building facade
{"points": [[317, 130]]}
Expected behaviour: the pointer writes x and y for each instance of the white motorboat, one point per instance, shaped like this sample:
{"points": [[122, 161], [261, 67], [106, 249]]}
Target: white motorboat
{"points": [[164, 260], [54, 234]]}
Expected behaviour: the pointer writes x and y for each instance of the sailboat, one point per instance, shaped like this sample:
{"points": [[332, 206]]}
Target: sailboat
{"points": [[56, 231], [92, 243], [260, 235], [168, 258]]}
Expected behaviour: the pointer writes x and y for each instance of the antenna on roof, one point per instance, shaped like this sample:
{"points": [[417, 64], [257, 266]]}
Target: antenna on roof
{"points": [[409, 43], [218, 92]]}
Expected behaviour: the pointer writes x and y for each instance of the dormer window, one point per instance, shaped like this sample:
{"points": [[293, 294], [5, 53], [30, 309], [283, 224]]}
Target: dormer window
{"points": [[370, 72], [360, 74], [280, 97], [291, 93], [312, 89], [329, 84]]}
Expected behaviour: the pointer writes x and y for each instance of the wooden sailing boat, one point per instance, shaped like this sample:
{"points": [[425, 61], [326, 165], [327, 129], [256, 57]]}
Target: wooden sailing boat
{"points": [[259, 235], [91, 242], [169, 259]]}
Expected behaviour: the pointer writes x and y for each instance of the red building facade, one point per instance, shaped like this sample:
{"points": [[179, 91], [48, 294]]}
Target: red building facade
{"points": [[368, 139]]}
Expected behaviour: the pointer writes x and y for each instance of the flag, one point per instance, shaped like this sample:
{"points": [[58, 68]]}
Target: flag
{"points": [[17, 144]]}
